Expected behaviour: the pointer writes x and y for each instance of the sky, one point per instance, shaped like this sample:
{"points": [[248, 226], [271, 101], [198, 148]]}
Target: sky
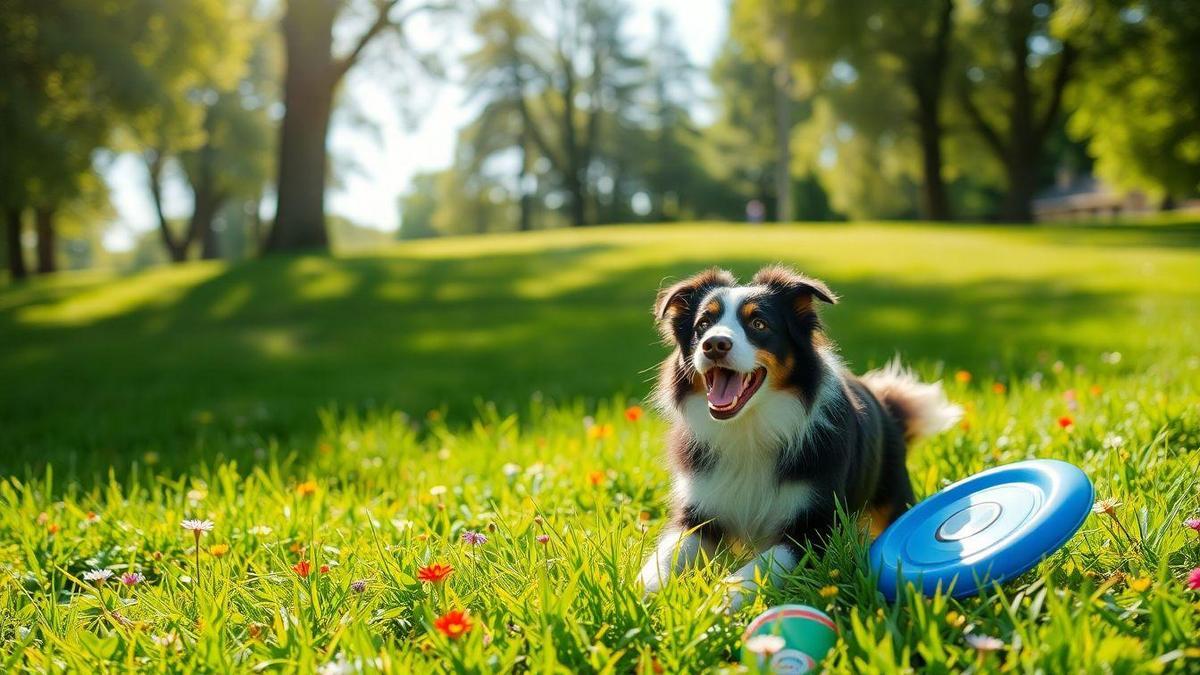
{"points": [[389, 149]]}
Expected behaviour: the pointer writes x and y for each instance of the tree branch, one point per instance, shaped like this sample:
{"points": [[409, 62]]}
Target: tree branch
{"points": [[1065, 62], [981, 125], [382, 22]]}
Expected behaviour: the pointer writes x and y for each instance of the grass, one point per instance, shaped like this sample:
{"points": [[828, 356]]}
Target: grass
{"points": [[311, 407]]}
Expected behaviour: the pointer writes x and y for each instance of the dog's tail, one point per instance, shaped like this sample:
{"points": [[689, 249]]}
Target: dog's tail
{"points": [[919, 408]]}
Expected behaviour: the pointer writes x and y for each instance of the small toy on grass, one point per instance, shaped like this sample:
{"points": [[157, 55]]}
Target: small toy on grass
{"points": [[788, 639]]}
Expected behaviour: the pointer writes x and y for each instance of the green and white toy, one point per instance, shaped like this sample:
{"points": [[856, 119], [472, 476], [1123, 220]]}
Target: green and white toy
{"points": [[788, 639]]}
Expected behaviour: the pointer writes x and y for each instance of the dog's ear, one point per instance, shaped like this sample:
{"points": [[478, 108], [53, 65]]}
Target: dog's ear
{"points": [[799, 289], [676, 305]]}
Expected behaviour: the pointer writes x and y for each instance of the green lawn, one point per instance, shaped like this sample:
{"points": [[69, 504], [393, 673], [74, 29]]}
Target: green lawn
{"points": [[220, 392]]}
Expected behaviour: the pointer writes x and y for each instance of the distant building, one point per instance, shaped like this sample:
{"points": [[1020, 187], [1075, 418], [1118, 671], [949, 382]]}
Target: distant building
{"points": [[1086, 198]]}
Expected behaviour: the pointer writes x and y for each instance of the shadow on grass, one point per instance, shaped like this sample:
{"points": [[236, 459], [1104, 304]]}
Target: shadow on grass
{"points": [[251, 354]]}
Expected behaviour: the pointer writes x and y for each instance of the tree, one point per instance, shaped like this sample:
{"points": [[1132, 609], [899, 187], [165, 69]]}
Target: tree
{"points": [[1137, 99], [312, 75], [1011, 89]]}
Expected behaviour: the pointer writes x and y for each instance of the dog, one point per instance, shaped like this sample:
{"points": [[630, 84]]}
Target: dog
{"points": [[770, 431]]}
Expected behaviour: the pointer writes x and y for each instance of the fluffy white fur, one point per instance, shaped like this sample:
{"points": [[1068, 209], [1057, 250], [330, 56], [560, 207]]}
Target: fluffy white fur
{"points": [[931, 411]]}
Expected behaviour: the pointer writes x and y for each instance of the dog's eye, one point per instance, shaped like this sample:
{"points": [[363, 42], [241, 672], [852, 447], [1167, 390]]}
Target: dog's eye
{"points": [[703, 325], [758, 324]]}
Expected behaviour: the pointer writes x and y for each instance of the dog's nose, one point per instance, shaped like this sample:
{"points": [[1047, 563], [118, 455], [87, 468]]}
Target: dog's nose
{"points": [[716, 346]]}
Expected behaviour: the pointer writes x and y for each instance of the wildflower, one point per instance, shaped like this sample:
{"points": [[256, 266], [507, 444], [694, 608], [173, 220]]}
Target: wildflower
{"points": [[542, 538], [132, 578], [437, 490], [218, 550], [1193, 580], [98, 576], [828, 591], [595, 478], [511, 470], [53, 528], [91, 518], [1192, 523], [954, 619], [599, 432], [1140, 585], [307, 489], [43, 518], [1095, 390], [453, 624], [1066, 422], [196, 495], [198, 527], [359, 585], [256, 630], [302, 568], [434, 573], [962, 376], [985, 643], [474, 538], [168, 640], [1070, 395], [260, 530], [634, 413], [998, 388], [1106, 506], [324, 569], [444, 454], [765, 645]]}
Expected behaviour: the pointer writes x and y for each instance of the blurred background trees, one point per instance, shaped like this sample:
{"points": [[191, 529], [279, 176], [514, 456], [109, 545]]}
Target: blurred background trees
{"points": [[811, 109]]}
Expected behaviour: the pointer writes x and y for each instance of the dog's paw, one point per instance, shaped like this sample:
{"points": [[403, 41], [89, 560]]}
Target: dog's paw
{"points": [[651, 579]]}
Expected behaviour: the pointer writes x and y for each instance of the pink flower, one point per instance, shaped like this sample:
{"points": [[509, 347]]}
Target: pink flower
{"points": [[542, 538], [474, 538], [1193, 523], [132, 578], [1193, 581]]}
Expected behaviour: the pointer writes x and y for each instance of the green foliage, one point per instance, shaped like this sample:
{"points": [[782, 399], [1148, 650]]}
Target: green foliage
{"points": [[1019, 324], [1136, 103]]}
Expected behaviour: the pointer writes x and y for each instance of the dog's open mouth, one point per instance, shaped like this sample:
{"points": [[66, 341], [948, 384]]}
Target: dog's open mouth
{"points": [[729, 390]]}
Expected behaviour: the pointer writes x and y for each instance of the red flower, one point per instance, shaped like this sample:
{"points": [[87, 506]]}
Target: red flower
{"points": [[453, 624], [434, 573], [633, 413], [1193, 581], [302, 568], [1066, 422], [324, 569]]}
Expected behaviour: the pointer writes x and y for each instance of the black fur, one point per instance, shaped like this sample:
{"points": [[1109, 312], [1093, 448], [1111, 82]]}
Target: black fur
{"points": [[855, 457]]}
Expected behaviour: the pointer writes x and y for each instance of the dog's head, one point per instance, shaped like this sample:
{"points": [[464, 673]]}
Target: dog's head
{"points": [[733, 339]]}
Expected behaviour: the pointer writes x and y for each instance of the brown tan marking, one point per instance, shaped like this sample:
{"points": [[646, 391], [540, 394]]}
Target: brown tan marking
{"points": [[748, 309], [777, 372]]}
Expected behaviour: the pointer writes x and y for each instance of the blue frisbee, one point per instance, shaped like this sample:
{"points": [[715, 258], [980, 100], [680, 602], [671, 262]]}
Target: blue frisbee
{"points": [[984, 529]]}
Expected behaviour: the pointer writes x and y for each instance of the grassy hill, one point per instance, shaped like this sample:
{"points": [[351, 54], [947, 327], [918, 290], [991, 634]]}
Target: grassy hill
{"points": [[101, 368], [264, 398]]}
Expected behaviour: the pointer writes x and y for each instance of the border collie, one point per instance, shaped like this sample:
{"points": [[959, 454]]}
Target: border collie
{"points": [[769, 431]]}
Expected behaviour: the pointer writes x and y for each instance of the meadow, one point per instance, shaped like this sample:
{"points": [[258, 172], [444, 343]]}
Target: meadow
{"points": [[348, 423]]}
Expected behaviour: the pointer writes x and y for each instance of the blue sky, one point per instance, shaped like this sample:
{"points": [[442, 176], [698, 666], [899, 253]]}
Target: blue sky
{"points": [[387, 152]]}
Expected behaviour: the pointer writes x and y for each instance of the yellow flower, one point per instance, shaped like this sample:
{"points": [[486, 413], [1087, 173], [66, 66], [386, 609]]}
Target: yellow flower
{"points": [[600, 431], [955, 620], [307, 488], [218, 550], [1140, 584], [962, 376], [828, 591]]}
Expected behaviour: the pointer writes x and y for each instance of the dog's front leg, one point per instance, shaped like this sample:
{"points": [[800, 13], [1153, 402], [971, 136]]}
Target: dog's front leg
{"points": [[677, 549], [769, 565]]}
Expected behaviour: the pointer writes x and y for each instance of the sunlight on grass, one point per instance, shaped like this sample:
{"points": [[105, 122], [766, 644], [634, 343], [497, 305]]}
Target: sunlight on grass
{"points": [[159, 287]]}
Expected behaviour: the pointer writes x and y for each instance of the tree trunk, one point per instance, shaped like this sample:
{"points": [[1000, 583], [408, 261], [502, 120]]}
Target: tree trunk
{"points": [[526, 204], [176, 250], [46, 244], [206, 208], [12, 235], [308, 100], [1021, 172], [934, 204], [784, 210]]}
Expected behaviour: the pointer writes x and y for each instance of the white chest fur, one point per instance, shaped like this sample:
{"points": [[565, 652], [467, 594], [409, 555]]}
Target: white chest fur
{"points": [[742, 491]]}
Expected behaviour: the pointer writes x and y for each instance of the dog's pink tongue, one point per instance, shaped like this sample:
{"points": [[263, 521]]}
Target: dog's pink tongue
{"points": [[725, 388]]}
